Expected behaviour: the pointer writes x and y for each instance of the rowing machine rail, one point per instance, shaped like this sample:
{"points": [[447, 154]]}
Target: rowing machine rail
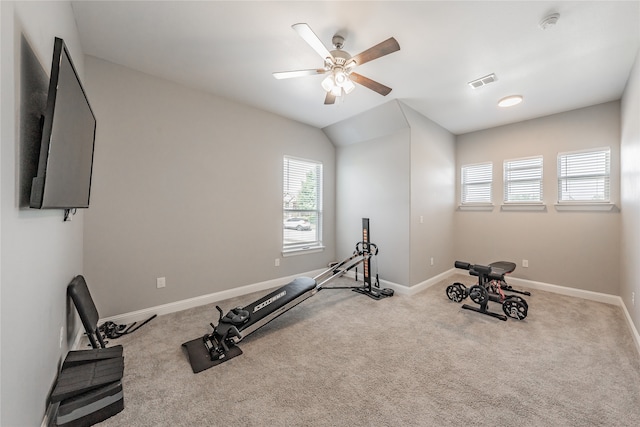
{"points": [[242, 321]]}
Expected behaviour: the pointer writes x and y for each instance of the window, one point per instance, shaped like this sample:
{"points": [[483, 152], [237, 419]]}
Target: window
{"points": [[476, 183], [583, 176], [301, 205], [523, 180]]}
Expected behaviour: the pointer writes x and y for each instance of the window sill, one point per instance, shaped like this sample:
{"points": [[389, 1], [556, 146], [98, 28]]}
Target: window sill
{"points": [[601, 207], [302, 251], [477, 207], [538, 207]]}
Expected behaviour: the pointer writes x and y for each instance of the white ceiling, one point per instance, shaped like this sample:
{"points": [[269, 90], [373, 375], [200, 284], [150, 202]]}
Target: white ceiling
{"points": [[231, 49]]}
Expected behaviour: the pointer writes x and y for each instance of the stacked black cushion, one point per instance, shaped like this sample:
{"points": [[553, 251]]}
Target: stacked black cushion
{"points": [[89, 388]]}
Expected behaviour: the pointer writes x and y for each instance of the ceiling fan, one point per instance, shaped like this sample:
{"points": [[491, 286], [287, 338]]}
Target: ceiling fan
{"points": [[339, 64]]}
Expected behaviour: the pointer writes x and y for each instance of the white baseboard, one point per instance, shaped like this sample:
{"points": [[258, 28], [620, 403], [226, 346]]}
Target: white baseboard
{"points": [[632, 327], [563, 290], [172, 307], [430, 282], [400, 289]]}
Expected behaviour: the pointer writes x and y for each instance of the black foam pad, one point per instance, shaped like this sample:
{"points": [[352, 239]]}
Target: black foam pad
{"points": [[79, 293], [78, 379], [79, 357]]}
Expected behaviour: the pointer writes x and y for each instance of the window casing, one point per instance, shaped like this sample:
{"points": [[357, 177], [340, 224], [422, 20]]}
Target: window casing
{"points": [[523, 180], [476, 180], [584, 176], [301, 205]]}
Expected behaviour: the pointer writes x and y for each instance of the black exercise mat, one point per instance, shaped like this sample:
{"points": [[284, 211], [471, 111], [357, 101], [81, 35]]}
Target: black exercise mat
{"points": [[77, 379], [199, 356]]}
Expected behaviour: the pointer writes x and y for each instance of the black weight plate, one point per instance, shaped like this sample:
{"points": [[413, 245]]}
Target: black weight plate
{"points": [[455, 293], [515, 308], [478, 294]]}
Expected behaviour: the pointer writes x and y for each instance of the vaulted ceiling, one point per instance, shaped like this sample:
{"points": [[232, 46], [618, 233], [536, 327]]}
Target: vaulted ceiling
{"points": [[231, 48]]}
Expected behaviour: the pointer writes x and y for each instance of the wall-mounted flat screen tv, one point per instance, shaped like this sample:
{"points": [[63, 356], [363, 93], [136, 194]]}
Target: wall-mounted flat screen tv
{"points": [[65, 162]]}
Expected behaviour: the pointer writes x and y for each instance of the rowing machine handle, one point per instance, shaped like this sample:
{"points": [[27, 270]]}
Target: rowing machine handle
{"points": [[463, 265]]}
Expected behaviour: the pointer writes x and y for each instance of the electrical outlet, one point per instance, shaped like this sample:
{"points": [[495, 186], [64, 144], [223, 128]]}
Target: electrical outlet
{"points": [[61, 336], [633, 298], [422, 221], [431, 260], [277, 263], [161, 282], [525, 263]]}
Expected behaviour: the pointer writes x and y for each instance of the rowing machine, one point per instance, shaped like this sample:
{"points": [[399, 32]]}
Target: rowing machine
{"points": [[490, 287], [221, 344]]}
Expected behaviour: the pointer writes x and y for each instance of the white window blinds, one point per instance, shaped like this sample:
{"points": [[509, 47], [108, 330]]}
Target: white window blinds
{"points": [[302, 204], [583, 176], [476, 183], [523, 180]]}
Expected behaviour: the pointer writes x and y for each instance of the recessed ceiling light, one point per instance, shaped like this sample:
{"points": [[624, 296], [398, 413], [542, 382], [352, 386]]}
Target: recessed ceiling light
{"points": [[510, 101]]}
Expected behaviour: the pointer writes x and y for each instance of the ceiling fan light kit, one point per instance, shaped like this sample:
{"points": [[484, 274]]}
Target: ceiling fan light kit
{"points": [[549, 21], [340, 64]]}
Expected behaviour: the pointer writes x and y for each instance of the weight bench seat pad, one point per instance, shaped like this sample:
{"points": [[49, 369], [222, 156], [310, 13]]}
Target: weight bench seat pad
{"points": [[277, 299], [199, 356], [91, 407], [502, 267], [78, 379]]}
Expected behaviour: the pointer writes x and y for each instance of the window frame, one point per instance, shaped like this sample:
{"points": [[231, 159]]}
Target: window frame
{"points": [[606, 176], [520, 164], [465, 203], [307, 246]]}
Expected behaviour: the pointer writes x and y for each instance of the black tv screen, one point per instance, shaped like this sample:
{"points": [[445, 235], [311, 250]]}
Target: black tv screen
{"points": [[65, 162]]}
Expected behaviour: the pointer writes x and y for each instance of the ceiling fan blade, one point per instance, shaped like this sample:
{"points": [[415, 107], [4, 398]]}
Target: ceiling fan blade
{"points": [[298, 73], [329, 99], [310, 37], [381, 49], [370, 84]]}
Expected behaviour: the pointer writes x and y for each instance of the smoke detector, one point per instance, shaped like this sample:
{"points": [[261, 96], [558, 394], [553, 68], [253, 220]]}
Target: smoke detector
{"points": [[549, 21]]}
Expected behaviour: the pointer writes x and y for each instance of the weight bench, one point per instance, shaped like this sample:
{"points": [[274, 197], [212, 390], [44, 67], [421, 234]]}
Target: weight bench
{"points": [[490, 287]]}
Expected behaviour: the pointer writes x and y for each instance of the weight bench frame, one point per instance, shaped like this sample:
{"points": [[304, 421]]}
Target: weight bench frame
{"points": [[490, 286]]}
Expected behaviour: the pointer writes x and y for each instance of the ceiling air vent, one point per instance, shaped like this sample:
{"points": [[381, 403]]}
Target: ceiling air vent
{"points": [[483, 81]]}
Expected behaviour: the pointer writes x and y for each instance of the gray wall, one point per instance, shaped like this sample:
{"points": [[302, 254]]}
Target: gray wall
{"points": [[573, 249], [405, 173], [40, 253], [373, 182], [630, 194], [188, 186], [432, 197]]}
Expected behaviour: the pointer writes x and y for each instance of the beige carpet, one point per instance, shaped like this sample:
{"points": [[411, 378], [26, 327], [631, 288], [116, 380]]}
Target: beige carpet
{"points": [[342, 359]]}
